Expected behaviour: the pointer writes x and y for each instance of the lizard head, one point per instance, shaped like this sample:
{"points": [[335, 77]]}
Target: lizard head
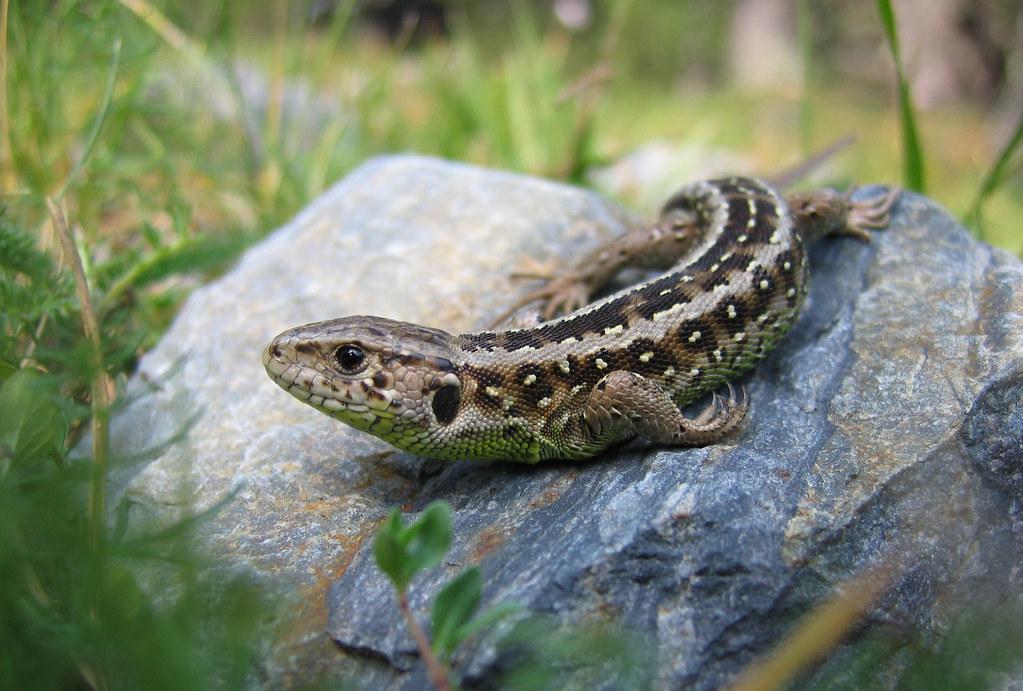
{"points": [[392, 379]]}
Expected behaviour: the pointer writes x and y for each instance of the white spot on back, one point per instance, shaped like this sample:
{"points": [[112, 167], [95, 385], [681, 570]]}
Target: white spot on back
{"points": [[671, 310]]}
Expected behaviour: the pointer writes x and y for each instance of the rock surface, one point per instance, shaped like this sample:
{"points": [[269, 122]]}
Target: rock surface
{"points": [[888, 422]]}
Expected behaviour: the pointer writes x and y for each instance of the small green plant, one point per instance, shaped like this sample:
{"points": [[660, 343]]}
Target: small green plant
{"points": [[537, 651], [74, 607], [1001, 170], [401, 552]]}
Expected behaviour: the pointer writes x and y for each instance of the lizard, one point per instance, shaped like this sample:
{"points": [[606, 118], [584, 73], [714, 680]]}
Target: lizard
{"points": [[733, 277]]}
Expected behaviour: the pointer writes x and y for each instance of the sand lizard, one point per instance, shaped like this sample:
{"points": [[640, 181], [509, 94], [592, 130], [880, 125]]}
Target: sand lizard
{"points": [[605, 372]]}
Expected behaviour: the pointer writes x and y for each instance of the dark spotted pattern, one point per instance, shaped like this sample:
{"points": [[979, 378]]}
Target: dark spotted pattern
{"points": [[559, 373], [526, 338], [484, 340], [688, 328], [652, 299], [538, 388], [736, 253], [592, 322], [522, 394]]}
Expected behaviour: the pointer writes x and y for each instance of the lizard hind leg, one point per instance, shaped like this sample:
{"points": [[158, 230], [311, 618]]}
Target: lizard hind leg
{"points": [[626, 400]]}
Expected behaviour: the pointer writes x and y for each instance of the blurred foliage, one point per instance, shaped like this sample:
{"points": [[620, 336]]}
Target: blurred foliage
{"points": [[980, 650], [77, 602], [401, 552], [175, 134], [533, 653]]}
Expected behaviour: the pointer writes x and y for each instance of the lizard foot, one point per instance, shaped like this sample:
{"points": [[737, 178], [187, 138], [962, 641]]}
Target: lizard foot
{"points": [[870, 214], [560, 295]]}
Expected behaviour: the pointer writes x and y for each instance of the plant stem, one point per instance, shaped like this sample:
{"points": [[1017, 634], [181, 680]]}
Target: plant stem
{"points": [[102, 384], [434, 669]]}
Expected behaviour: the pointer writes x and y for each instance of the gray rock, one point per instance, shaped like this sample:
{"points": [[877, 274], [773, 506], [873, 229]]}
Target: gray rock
{"points": [[888, 423]]}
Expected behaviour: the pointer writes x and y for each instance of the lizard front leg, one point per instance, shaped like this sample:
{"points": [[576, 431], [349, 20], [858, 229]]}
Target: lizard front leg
{"points": [[642, 406]]}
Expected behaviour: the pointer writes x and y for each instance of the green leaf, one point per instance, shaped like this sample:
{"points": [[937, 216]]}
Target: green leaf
{"points": [[427, 540], [453, 608], [31, 423], [913, 161], [402, 552], [994, 177], [390, 552]]}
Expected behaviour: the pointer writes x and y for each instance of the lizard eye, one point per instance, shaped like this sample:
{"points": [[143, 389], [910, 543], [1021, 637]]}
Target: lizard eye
{"points": [[350, 358]]}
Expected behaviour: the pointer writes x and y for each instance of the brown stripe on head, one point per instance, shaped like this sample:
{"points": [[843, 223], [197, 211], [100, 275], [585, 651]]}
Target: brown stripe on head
{"points": [[417, 360]]}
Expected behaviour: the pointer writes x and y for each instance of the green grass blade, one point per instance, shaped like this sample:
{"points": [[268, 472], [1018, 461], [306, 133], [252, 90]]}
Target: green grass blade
{"points": [[994, 177], [97, 125], [913, 160]]}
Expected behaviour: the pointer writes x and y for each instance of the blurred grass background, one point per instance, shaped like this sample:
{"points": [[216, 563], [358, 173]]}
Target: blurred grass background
{"points": [[172, 135]]}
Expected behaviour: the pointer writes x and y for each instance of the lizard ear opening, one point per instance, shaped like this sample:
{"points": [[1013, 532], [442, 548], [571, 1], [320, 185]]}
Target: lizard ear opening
{"points": [[445, 403]]}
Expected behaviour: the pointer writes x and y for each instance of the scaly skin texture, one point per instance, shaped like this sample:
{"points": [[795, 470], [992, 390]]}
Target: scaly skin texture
{"points": [[605, 372]]}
